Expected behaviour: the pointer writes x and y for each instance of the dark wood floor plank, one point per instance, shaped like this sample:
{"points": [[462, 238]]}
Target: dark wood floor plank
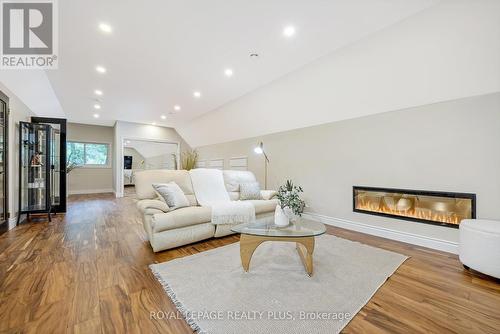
{"points": [[87, 272]]}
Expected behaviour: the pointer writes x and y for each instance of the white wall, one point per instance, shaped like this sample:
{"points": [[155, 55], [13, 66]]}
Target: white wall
{"points": [[449, 146], [87, 180], [18, 112], [127, 130], [449, 51], [34, 89]]}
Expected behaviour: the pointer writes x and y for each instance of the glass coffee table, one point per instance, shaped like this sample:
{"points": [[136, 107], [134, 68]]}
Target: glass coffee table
{"points": [[302, 232]]}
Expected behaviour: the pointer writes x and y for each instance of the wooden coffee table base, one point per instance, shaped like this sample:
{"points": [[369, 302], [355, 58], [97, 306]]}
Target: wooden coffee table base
{"points": [[304, 245]]}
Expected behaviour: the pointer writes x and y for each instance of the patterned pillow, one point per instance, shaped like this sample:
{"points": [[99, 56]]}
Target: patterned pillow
{"points": [[250, 190], [171, 194]]}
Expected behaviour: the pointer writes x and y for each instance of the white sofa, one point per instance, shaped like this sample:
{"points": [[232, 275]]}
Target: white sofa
{"points": [[168, 229]]}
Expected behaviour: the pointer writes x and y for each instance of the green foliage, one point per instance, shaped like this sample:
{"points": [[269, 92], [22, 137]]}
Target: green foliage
{"points": [[76, 153], [96, 154], [289, 196], [86, 154], [189, 159]]}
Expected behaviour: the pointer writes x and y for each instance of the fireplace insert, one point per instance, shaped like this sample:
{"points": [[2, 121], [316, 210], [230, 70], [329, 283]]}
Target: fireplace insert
{"points": [[431, 207]]}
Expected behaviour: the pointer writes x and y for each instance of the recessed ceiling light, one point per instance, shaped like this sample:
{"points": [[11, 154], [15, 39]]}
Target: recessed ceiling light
{"points": [[104, 27], [97, 106], [228, 72], [197, 94], [96, 115], [177, 107], [98, 92], [127, 142], [154, 123], [100, 69], [289, 31], [163, 117]]}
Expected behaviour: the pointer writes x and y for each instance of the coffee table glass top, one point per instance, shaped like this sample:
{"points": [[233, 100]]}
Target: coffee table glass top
{"points": [[300, 228]]}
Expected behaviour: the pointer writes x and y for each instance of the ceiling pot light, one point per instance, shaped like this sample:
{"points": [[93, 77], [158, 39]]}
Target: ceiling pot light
{"points": [[98, 92], [104, 27], [197, 95], [97, 106], [154, 123], [289, 31], [228, 72], [163, 117], [100, 69], [177, 107], [96, 115]]}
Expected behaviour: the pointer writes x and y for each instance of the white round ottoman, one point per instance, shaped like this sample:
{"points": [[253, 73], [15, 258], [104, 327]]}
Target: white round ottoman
{"points": [[479, 246]]}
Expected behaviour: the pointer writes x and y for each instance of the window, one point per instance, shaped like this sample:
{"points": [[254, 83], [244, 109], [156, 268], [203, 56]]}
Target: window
{"points": [[88, 154]]}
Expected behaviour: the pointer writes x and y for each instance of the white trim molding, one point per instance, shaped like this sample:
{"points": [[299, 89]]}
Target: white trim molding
{"points": [[12, 222], [411, 238], [90, 191]]}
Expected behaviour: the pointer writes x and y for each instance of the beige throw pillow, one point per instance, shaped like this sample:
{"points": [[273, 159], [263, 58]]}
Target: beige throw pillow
{"points": [[171, 194], [250, 190]]}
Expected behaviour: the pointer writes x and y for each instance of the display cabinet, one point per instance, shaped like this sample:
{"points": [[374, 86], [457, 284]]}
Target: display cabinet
{"points": [[57, 159], [35, 194]]}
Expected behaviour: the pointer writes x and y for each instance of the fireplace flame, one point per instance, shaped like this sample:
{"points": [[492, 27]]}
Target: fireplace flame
{"points": [[438, 211]]}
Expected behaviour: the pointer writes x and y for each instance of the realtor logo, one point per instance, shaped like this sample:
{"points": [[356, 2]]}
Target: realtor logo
{"points": [[29, 34]]}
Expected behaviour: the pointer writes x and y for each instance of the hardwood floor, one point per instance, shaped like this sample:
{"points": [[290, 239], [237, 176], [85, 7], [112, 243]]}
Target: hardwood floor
{"points": [[87, 272]]}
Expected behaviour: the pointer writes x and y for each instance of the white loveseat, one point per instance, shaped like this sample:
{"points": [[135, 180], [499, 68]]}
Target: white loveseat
{"points": [[172, 228]]}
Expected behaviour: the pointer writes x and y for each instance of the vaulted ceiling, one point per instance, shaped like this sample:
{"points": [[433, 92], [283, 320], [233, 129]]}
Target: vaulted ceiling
{"points": [[160, 52], [346, 59]]}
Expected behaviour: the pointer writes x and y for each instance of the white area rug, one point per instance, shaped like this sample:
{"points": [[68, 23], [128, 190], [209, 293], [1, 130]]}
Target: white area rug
{"points": [[215, 295]]}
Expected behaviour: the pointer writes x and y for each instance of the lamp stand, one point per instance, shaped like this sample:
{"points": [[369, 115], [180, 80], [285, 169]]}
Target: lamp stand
{"points": [[266, 162]]}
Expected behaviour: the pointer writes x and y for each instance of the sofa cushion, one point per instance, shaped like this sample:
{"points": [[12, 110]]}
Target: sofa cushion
{"points": [[263, 206], [250, 190], [150, 206], [233, 179], [268, 194], [172, 194], [234, 195], [182, 217], [144, 180]]}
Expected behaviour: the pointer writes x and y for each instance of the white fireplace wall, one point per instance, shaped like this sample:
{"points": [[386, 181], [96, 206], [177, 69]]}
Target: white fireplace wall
{"points": [[448, 146]]}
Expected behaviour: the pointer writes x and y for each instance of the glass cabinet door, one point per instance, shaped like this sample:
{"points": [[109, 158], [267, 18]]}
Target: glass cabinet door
{"points": [[3, 160], [34, 167], [55, 165], [57, 160]]}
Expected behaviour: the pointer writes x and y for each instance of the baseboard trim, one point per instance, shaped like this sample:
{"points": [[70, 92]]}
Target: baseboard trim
{"points": [[90, 191], [415, 239]]}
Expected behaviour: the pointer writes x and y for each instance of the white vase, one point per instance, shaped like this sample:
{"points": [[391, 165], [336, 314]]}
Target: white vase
{"points": [[289, 213], [280, 218]]}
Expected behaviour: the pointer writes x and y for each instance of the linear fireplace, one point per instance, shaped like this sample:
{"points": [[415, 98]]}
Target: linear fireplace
{"points": [[432, 207]]}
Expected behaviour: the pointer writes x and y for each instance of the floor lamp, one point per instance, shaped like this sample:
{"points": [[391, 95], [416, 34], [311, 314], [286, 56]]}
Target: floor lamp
{"points": [[260, 150]]}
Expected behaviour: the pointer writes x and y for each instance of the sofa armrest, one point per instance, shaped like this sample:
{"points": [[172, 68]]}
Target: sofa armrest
{"points": [[152, 206], [268, 194]]}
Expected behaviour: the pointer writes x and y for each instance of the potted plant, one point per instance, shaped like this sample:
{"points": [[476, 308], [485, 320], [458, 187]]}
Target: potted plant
{"points": [[189, 159], [290, 202], [69, 167]]}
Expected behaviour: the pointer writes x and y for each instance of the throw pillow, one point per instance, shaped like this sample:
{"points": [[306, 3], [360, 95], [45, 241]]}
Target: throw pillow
{"points": [[171, 194], [250, 190]]}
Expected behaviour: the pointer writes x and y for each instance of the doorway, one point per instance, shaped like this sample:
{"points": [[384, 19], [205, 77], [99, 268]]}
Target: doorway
{"points": [[141, 154]]}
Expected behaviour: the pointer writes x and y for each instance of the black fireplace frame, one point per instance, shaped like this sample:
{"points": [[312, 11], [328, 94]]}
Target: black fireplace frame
{"points": [[470, 196]]}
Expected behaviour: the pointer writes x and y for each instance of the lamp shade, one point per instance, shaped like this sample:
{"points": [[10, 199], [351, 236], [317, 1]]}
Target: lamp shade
{"points": [[258, 150]]}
